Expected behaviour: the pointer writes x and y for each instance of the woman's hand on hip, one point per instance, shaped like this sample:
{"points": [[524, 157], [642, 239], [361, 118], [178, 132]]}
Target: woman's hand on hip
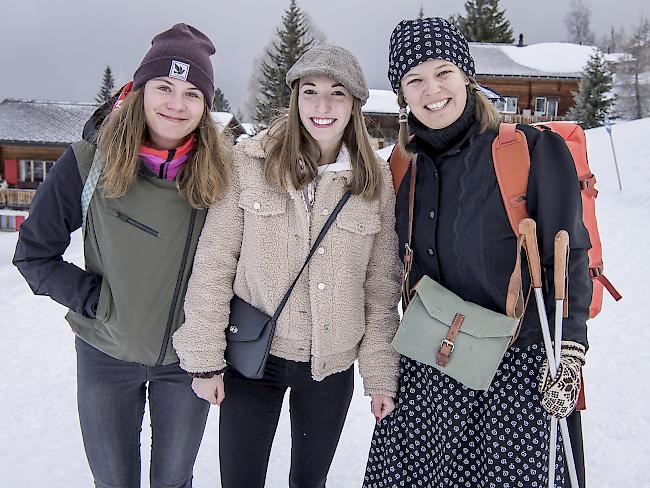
{"points": [[210, 389], [381, 405]]}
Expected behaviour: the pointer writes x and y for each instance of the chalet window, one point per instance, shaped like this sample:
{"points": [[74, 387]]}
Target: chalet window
{"points": [[34, 171], [507, 106], [546, 106]]}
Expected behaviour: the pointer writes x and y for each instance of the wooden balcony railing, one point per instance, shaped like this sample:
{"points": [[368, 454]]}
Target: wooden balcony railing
{"points": [[16, 199], [529, 119]]}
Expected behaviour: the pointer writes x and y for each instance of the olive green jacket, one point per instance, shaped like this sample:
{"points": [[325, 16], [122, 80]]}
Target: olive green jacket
{"points": [[142, 245]]}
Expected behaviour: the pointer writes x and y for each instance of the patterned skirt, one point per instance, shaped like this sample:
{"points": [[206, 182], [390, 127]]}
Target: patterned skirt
{"points": [[445, 435]]}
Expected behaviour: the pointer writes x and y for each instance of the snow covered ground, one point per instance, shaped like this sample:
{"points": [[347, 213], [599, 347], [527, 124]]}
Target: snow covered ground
{"points": [[40, 443]]}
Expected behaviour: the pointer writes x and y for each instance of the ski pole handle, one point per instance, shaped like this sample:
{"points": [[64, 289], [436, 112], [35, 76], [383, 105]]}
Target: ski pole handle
{"points": [[528, 228], [560, 261]]}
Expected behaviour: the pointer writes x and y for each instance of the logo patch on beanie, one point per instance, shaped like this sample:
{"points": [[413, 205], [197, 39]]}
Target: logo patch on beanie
{"points": [[179, 70]]}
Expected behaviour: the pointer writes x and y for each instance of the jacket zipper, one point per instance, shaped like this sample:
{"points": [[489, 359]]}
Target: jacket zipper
{"points": [[177, 290], [135, 223]]}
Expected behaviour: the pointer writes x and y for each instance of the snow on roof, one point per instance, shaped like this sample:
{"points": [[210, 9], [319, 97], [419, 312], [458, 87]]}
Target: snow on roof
{"points": [[222, 118], [248, 128], [381, 102], [385, 152], [558, 57], [544, 60], [43, 122]]}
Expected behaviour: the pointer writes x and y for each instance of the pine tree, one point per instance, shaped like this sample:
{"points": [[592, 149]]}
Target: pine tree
{"points": [[293, 38], [594, 99], [220, 102], [484, 21], [108, 84]]}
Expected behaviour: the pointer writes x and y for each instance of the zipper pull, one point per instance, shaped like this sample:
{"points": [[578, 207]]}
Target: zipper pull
{"points": [[164, 168]]}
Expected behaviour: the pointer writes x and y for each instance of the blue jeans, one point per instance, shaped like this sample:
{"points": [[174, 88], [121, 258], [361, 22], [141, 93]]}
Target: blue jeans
{"points": [[111, 399]]}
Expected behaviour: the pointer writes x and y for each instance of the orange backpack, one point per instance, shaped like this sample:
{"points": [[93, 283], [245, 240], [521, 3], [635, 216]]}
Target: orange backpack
{"points": [[512, 166]]}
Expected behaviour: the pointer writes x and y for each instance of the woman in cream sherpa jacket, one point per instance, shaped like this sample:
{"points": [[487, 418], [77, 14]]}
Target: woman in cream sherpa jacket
{"points": [[253, 244], [344, 306]]}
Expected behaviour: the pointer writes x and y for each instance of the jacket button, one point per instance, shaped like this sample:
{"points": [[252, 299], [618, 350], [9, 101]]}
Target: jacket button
{"points": [[321, 286], [430, 252], [432, 214], [257, 205], [321, 250], [325, 211], [361, 226]]}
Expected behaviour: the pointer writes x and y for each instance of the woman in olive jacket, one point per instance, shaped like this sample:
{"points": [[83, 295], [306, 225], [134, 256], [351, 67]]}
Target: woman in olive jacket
{"points": [[442, 433], [162, 162]]}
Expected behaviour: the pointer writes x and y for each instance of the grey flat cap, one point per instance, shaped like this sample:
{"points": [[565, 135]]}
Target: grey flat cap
{"points": [[335, 62]]}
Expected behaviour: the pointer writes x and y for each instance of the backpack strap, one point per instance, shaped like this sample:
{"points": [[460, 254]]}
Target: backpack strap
{"points": [[89, 189], [512, 166], [596, 273]]}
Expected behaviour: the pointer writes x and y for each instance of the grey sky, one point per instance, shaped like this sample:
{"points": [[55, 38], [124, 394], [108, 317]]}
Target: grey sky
{"points": [[58, 50]]}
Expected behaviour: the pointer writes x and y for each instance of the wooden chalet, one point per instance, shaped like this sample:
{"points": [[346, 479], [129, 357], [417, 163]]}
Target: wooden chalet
{"points": [[380, 114], [33, 135], [530, 94]]}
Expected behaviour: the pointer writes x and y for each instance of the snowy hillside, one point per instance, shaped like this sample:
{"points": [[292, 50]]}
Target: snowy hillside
{"points": [[40, 443]]}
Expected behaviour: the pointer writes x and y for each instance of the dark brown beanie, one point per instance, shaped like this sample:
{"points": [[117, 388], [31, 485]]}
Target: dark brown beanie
{"points": [[181, 52]]}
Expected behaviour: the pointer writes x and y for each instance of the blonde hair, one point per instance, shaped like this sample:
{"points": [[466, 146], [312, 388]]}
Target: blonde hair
{"points": [[288, 141], [202, 179], [486, 114]]}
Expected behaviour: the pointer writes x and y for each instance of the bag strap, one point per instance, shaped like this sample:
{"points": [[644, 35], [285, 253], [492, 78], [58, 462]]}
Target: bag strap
{"points": [[317, 242], [89, 189], [408, 248]]}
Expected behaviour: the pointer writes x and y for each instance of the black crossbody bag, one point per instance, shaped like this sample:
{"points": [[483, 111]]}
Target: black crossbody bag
{"points": [[250, 331]]}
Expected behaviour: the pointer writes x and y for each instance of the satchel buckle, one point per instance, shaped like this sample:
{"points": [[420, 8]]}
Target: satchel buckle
{"points": [[234, 329], [448, 343]]}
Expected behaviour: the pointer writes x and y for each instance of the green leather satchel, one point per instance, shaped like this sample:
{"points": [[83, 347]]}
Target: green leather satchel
{"points": [[459, 338]]}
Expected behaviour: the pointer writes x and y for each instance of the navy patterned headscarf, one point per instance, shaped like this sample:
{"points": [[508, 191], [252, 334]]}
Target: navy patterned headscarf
{"points": [[415, 41]]}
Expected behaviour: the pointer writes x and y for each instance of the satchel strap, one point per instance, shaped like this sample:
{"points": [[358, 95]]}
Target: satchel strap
{"points": [[317, 242], [408, 247], [447, 344]]}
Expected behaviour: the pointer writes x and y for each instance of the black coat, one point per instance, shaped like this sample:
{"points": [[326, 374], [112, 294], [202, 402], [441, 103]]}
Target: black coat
{"points": [[463, 239]]}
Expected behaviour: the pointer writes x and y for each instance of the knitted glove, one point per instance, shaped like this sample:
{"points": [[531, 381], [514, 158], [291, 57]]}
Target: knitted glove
{"points": [[560, 396]]}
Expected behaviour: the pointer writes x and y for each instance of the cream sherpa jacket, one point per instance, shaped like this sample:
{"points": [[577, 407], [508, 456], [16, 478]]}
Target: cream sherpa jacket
{"points": [[253, 244]]}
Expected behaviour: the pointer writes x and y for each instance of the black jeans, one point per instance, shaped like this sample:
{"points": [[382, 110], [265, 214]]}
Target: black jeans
{"points": [[249, 417], [111, 399]]}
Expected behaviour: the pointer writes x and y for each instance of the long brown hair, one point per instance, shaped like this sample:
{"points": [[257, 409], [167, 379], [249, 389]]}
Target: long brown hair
{"points": [[288, 141], [201, 180], [486, 114]]}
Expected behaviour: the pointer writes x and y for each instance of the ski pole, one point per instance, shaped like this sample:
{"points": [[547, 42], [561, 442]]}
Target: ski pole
{"points": [[560, 257], [528, 228]]}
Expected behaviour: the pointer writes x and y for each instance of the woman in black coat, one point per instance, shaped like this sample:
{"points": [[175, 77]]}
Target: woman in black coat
{"points": [[442, 433]]}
